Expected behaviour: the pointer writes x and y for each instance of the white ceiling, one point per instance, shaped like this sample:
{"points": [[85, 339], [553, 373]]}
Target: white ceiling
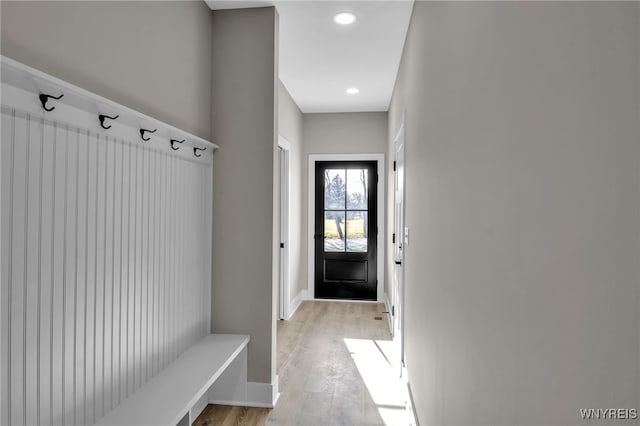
{"points": [[320, 59]]}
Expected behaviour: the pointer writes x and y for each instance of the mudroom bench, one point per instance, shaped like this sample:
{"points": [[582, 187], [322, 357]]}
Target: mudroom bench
{"points": [[212, 369]]}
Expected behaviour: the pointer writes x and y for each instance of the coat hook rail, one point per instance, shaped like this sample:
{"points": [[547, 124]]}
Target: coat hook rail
{"points": [[196, 149], [39, 93], [44, 98], [102, 117], [143, 131], [176, 141]]}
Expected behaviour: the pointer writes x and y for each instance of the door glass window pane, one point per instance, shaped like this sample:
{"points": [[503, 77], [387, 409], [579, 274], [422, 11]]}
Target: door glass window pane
{"points": [[334, 189], [334, 231], [357, 231], [357, 181]]}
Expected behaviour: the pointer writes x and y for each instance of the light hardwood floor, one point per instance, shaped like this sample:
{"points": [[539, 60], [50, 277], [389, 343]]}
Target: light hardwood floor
{"points": [[333, 367]]}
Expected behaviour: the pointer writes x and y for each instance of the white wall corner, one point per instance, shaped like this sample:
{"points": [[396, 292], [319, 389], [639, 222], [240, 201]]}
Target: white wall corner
{"points": [[295, 304], [381, 295]]}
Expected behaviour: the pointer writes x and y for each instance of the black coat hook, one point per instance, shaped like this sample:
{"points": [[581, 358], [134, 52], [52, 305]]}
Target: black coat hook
{"points": [[44, 98], [101, 117], [175, 141], [196, 149], [142, 132]]}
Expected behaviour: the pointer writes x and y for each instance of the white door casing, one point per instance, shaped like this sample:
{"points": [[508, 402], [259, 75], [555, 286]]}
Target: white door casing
{"points": [[399, 242], [283, 282], [379, 158]]}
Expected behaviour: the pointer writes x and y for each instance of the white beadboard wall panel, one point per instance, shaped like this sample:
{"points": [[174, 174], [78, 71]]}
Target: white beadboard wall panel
{"points": [[5, 245], [105, 266]]}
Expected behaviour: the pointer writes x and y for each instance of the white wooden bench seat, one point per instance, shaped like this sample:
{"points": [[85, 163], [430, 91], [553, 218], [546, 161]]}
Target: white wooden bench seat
{"points": [[178, 394]]}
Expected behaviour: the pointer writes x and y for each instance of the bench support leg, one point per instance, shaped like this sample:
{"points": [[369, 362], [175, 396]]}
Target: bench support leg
{"points": [[231, 386]]}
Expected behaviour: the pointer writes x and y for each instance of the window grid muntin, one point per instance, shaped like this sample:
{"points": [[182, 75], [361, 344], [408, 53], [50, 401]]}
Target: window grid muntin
{"points": [[345, 210]]}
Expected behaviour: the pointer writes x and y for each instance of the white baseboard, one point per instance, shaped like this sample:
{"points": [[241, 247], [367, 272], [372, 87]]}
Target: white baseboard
{"points": [[387, 307], [262, 395], [307, 295], [294, 305], [413, 416]]}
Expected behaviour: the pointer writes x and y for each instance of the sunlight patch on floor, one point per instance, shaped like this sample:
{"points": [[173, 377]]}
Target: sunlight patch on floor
{"points": [[373, 358]]}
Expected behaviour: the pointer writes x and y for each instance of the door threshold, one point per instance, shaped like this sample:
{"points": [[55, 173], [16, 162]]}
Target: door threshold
{"points": [[345, 300]]}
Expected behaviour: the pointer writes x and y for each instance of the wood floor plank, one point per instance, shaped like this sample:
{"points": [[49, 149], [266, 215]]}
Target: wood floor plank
{"points": [[320, 380]]}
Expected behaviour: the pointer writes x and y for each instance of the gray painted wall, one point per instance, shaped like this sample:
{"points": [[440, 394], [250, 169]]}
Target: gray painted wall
{"points": [[290, 127], [164, 68], [154, 57], [523, 199], [244, 106], [337, 133], [345, 133]]}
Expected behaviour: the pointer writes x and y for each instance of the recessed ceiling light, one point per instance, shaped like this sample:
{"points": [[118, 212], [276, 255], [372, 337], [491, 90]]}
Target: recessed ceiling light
{"points": [[345, 18], [353, 90]]}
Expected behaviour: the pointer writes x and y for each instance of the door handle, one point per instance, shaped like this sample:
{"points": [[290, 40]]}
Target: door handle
{"points": [[398, 262]]}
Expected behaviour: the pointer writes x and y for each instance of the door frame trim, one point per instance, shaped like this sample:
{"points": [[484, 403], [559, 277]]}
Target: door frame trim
{"points": [[313, 158], [284, 303], [401, 288]]}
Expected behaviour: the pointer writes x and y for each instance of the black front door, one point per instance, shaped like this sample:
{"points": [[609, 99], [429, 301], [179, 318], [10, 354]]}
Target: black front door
{"points": [[346, 230]]}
